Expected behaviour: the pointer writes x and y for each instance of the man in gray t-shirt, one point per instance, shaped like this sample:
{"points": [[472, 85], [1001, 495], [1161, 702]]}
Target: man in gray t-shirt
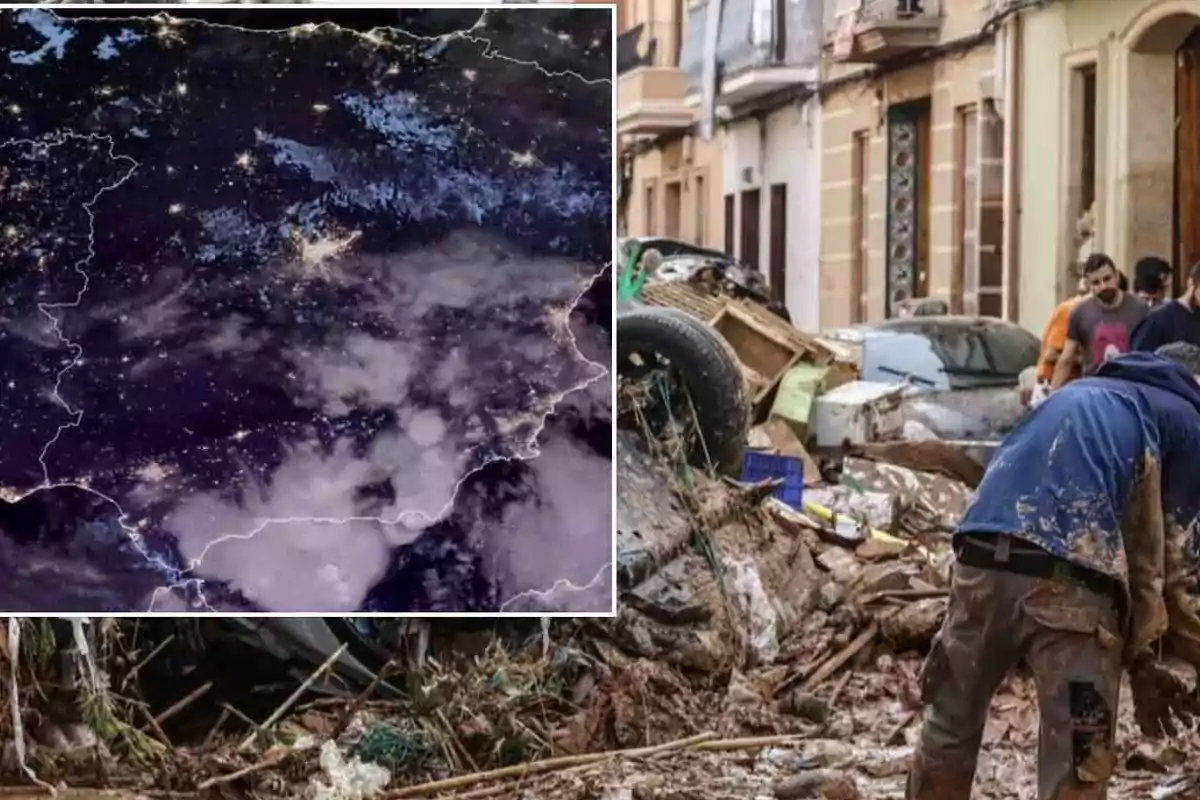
{"points": [[1100, 326]]}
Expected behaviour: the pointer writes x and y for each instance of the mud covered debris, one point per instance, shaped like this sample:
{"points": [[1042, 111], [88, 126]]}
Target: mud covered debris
{"points": [[760, 651]]}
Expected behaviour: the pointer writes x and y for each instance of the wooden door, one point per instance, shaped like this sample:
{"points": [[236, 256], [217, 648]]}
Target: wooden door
{"points": [[730, 221], [778, 241], [751, 200], [673, 212], [1187, 157]]}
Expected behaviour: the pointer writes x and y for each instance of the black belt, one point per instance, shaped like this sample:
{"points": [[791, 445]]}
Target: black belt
{"points": [[1032, 562]]}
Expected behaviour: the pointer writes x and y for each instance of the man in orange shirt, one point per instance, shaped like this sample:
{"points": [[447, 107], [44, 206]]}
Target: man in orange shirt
{"points": [[1054, 336]]}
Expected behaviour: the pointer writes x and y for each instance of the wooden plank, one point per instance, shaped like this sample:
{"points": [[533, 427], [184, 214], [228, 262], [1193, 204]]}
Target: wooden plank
{"points": [[743, 315], [770, 387], [756, 347], [797, 339]]}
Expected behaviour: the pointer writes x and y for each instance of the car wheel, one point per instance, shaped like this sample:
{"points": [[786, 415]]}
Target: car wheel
{"points": [[689, 374]]}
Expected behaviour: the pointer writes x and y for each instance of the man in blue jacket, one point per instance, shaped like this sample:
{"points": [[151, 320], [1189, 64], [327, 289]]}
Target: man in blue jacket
{"points": [[1072, 558], [1175, 320]]}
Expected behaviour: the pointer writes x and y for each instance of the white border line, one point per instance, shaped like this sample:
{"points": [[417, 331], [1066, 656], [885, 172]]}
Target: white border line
{"points": [[614, 271], [614, 268]]}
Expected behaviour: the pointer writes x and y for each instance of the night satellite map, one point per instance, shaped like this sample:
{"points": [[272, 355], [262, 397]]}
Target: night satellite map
{"points": [[305, 310]]}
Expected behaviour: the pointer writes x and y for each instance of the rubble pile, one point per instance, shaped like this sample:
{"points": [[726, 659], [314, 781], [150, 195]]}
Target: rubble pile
{"points": [[794, 612], [819, 695]]}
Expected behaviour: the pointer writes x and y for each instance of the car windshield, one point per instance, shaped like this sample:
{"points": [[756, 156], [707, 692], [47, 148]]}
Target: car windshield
{"points": [[951, 355]]}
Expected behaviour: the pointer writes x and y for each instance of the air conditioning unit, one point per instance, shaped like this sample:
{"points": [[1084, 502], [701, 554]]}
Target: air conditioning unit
{"points": [[846, 8]]}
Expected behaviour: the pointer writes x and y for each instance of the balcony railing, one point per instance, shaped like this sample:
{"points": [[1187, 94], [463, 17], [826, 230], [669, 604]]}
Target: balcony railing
{"points": [[762, 46], [650, 87], [649, 44], [880, 12], [630, 54], [873, 31]]}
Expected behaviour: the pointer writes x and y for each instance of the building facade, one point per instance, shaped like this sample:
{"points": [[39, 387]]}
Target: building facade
{"points": [[748, 183], [670, 179], [916, 124], [772, 182], [866, 153], [763, 61], [1112, 137]]}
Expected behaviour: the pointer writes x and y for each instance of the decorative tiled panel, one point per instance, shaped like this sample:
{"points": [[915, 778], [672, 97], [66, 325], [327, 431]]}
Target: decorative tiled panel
{"points": [[902, 209]]}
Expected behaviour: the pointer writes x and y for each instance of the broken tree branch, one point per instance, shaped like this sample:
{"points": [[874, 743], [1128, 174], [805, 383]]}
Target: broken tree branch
{"points": [[902, 594], [293, 697], [243, 772], [153, 726], [899, 728], [356, 704], [183, 703], [749, 742], [838, 688], [215, 729], [158, 648], [848, 652], [545, 765]]}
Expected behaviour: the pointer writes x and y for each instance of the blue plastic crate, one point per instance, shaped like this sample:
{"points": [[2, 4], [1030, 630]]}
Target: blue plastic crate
{"points": [[758, 467]]}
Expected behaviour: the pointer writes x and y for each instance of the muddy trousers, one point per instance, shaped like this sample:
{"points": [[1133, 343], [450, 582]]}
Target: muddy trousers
{"points": [[1067, 634]]}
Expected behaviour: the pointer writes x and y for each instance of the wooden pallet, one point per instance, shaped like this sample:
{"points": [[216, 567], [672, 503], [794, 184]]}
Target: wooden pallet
{"points": [[685, 298], [708, 308], [765, 345]]}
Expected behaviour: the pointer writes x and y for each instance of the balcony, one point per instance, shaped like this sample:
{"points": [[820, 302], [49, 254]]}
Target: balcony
{"points": [[875, 31], [763, 46], [650, 88], [756, 82]]}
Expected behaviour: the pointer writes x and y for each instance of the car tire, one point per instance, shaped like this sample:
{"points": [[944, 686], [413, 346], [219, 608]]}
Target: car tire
{"points": [[712, 376]]}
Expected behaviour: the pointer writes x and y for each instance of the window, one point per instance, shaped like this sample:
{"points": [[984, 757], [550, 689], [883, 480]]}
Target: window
{"points": [[751, 200], [860, 170], [730, 201], [989, 225], [673, 210], [779, 30], [761, 22], [701, 235], [651, 226], [964, 288], [1087, 130], [1078, 174]]}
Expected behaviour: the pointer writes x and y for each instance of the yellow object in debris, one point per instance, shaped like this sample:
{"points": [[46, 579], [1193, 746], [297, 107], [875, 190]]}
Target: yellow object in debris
{"points": [[828, 515]]}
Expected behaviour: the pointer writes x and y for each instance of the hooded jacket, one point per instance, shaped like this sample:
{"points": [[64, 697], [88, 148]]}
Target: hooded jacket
{"points": [[1104, 474]]}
